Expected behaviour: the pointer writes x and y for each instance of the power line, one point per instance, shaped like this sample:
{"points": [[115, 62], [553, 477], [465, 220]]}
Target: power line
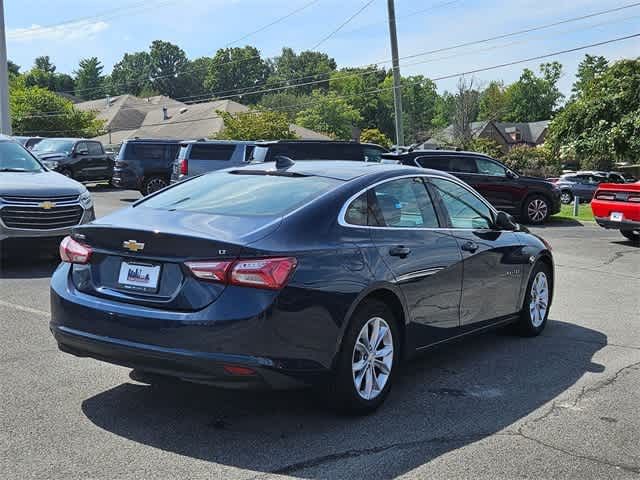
{"points": [[340, 75], [378, 90], [342, 25], [271, 24]]}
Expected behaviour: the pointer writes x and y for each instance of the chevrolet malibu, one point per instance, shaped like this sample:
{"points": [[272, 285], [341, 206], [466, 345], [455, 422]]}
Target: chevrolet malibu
{"points": [[321, 273]]}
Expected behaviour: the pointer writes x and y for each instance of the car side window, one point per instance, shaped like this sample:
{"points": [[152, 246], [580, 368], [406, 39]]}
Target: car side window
{"points": [[465, 209], [487, 167], [372, 154], [80, 147], [212, 152], [463, 165], [248, 152], [436, 163], [148, 151], [359, 213], [405, 203], [95, 148]]}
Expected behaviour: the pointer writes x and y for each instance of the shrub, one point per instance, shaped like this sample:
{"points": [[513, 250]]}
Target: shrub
{"points": [[373, 135], [531, 161]]}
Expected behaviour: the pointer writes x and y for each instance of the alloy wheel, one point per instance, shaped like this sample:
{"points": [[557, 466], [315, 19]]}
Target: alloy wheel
{"points": [[539, 299], [155, 184], [372, 358], [537, 210], [565, 198]]}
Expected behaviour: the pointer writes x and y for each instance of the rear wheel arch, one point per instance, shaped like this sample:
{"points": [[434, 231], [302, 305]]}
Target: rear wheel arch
{"points": [[392, 300]]}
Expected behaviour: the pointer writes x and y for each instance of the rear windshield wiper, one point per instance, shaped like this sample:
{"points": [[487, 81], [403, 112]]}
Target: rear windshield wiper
{"points": [[272, 173]]}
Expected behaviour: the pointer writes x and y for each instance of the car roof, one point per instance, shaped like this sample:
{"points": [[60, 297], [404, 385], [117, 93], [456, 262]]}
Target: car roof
{"points": [[344, 170], [220, 142], [415, 153], [266, 143], [152, 140]]}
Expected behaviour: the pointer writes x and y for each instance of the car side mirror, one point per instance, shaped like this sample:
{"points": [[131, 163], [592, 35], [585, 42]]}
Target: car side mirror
{"points": [[504, 221], [511, 174]]}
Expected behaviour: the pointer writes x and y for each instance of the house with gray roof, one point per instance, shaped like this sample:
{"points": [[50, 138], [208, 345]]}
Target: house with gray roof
{"points": [[127, 116], [505, 134]]}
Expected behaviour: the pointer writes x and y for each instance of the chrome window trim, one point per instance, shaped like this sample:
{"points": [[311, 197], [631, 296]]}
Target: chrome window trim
{"points": [[341, 215]]}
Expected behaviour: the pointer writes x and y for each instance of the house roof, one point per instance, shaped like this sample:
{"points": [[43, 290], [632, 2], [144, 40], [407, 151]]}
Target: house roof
{"points": [[530, 132], [127, 116]]}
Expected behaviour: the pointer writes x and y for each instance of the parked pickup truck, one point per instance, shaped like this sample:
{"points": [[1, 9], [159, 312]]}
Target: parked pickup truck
{"points": [[77, 158]]}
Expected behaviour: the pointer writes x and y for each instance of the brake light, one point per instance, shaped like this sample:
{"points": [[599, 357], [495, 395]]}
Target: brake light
{"points": [[605, 196], [267, 273], [72, 251], [212, 271], [634, 198], [184, 166]]}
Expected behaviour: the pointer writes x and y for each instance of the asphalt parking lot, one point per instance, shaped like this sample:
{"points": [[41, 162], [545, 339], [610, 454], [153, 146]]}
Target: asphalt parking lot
{"points": [[562, 405]]}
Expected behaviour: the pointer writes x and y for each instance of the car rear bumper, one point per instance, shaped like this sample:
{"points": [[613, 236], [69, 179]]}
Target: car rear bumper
{"points": [[125, 179], [198, 367], [622, 225]]}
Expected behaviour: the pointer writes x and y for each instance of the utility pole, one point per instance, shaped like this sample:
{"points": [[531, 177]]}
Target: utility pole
{"points": [[397, 88], [5, 119]]}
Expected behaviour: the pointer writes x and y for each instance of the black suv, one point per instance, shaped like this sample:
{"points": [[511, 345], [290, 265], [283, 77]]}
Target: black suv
{"points": [[531, 199], [317, 150], [145, 164], [77, 158]]}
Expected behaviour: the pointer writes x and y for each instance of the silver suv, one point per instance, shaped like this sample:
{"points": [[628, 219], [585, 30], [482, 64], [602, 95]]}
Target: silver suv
{"points": [[35, 203], [202, 156]]}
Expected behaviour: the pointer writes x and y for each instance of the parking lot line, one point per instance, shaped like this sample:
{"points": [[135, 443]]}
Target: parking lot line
{"points": [[23, 308]]}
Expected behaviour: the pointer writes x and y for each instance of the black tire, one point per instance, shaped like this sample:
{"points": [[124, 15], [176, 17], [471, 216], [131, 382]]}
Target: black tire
{"points": [[633, 235], [536, 209], [527, 325], [153, 184], [566, 197], [66, 172], [341, 390]]}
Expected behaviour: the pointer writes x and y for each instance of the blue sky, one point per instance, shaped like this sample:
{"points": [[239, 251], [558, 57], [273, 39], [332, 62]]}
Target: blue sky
{"points": [[201, 26]]}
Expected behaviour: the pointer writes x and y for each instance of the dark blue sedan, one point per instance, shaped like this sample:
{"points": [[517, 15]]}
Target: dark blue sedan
{"points": [[325, 273]]}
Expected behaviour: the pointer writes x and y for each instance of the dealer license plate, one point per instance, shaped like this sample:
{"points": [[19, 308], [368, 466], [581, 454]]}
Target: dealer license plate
{"points": [[615, 217], [141, 277]]}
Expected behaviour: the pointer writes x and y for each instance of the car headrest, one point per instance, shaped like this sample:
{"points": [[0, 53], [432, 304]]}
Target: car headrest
{"points": [[390, 208]]}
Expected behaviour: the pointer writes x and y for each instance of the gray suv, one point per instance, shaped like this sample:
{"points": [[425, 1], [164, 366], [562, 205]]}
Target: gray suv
{"points": [[36, 205], [202, 156]]}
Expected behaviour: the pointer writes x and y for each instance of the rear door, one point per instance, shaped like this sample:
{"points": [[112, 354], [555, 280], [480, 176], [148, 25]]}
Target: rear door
{"points": [[503, 192], [424, 259], [492, 259], [207, 157]]}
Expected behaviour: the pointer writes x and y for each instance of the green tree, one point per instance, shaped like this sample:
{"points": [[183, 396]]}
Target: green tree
{"points": [[132, 74], [255, 125], [29, 104], [286, 102], [589, 68], [492, 102], [63, 83], [13, 68], [89, 79], [486, 146], [533, 98], [194, 80], [531, 161], [443, 111], [602, 124], [236, 72], [373, 135], [44, 63], [329, 114], [168, 68], [290, 69], [359, 87]]}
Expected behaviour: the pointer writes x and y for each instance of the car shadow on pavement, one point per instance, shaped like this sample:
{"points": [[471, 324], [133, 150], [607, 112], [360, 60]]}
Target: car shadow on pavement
{"points": [[16, 267], [444, 400]]}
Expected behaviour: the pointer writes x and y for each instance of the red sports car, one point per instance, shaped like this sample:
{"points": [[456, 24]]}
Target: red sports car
{"points": [[617, 205]]}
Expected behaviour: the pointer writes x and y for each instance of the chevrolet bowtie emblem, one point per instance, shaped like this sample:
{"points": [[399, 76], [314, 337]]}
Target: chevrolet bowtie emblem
{"points": [[133, 246], [47, 205]]}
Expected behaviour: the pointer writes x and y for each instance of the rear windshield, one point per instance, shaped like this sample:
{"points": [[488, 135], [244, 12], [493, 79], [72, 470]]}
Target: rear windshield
{"points": [[225, 193]]}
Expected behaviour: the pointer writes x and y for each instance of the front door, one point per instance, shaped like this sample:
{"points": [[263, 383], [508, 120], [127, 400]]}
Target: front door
{"points": [[492, 182], [424, 259], [493, 260]]}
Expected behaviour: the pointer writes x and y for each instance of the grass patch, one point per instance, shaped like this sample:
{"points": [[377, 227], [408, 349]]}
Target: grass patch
{"points": [[566, 213]]}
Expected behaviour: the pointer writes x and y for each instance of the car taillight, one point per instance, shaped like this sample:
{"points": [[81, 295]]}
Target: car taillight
{"points": [[184, 166], [72, 251], [605, 196], [634, 198], [267, 273], [212, 271]]}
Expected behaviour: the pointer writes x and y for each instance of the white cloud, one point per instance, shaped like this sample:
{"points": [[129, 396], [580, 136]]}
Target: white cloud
{"points": [[65, 32]]}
